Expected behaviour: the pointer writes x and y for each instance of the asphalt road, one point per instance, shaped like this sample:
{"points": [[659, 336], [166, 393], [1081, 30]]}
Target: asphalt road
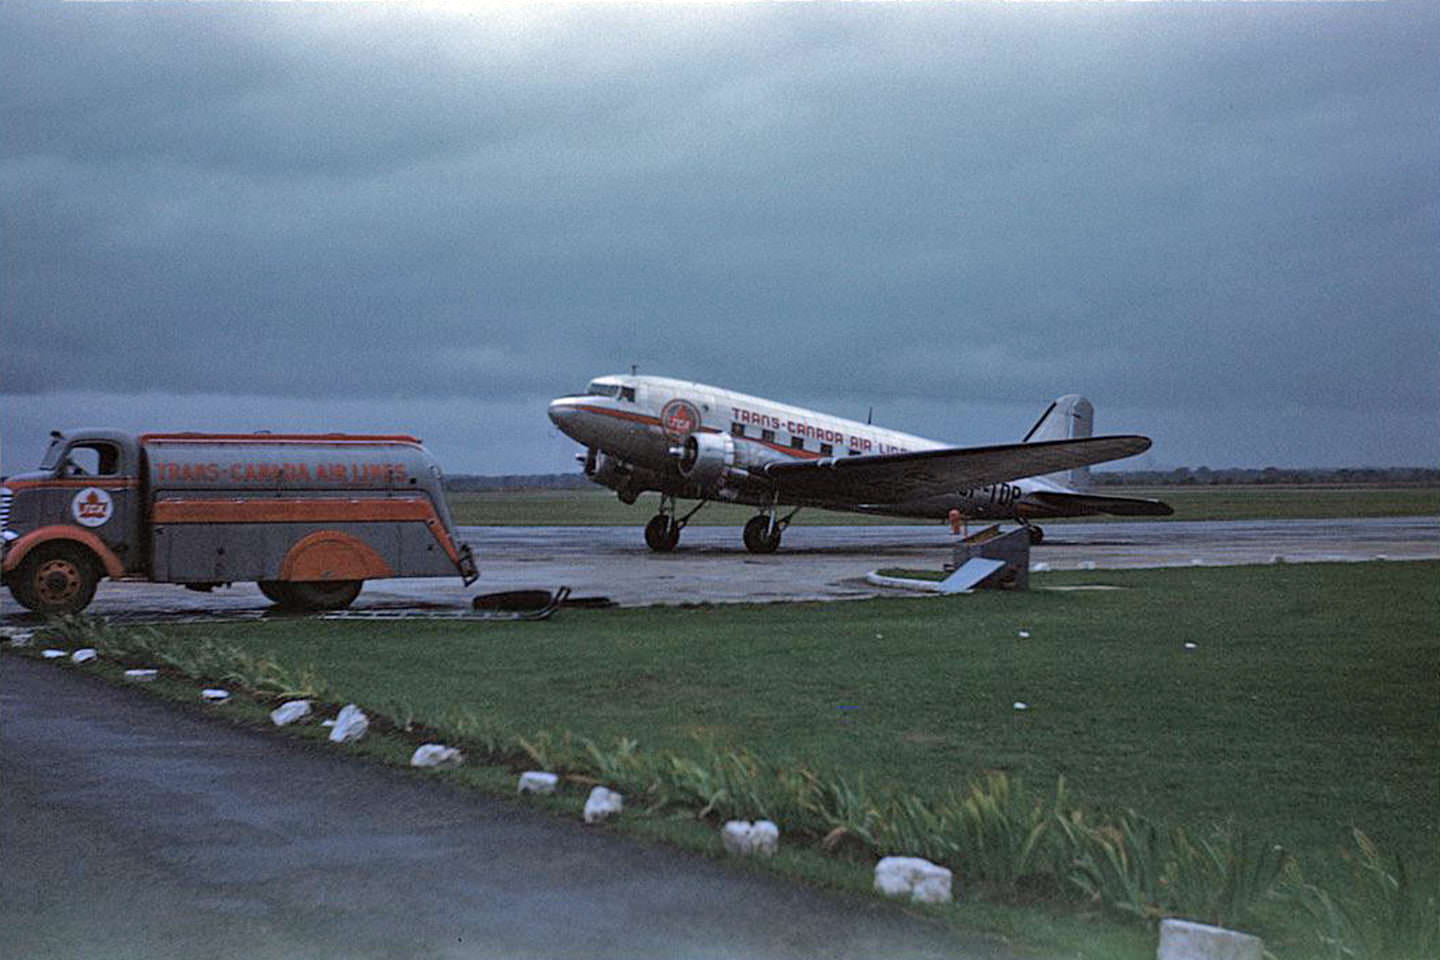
{"points": [[131, 827], [814, 563]]}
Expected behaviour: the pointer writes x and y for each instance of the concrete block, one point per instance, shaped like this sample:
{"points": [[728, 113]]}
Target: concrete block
{"points": [[350, 724], [913, 877], [534, 781], [289, 712], [602, 804], [1187, 940], [436, 755]]}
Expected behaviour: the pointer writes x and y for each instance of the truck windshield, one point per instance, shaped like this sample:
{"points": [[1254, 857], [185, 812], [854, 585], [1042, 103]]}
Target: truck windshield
{"points": [[52, 456]]}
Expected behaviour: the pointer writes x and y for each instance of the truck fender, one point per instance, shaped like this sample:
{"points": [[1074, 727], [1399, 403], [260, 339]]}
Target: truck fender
{"points": [[16, 554], [332, 555]]}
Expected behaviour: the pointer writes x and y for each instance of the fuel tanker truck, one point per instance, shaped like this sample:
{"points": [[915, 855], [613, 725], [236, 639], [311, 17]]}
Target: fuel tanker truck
{"points": [[309, 518]]}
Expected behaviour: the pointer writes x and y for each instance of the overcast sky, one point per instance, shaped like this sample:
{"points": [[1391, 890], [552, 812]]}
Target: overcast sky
{"points": [[1220, 222]]}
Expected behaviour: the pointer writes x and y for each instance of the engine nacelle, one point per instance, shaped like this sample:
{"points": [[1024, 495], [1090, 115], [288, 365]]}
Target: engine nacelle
{"points": [[706, 459]]}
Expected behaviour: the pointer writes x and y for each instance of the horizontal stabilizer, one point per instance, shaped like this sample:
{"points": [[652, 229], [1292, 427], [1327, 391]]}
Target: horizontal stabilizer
{"points": [[1072, 503], [895, 477]]}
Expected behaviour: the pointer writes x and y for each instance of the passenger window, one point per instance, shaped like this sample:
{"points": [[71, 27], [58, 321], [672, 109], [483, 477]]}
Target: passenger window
{"points": [[91, 460], [853, 452], [737, 429], [826, 450], [767, 435], [797, 443]]}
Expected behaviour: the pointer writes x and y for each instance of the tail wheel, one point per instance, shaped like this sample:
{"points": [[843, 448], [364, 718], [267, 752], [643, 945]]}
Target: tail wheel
{"points": [[312, 594], [760, 536], [662, 533], [56, 578]]}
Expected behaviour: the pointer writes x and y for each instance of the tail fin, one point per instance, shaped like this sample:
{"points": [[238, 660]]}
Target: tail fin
{"points": [[1070, 417]]}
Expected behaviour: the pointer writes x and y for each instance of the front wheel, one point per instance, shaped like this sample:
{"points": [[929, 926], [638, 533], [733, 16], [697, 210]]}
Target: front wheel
{"points": [[55, 579], [761, 536], [311, 594], [662, 533]]}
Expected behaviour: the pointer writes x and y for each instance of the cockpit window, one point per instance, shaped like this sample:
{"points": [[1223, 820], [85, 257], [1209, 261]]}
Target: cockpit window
{"points": [[627, 393], [598, 389]]}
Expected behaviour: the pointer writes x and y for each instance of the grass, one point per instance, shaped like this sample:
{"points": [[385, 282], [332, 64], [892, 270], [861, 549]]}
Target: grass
{"points": [[1307, 707], [600, 507]]}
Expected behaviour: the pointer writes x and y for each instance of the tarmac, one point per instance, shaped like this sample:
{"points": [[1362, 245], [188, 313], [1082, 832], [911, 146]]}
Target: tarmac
{"points": [[813, 563]]}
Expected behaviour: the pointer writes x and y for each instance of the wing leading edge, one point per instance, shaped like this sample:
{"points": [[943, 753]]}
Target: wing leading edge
{"points": [[896, 477]]}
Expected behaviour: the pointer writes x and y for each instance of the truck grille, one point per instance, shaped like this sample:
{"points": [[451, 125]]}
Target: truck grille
{"points": [[6, 495]]}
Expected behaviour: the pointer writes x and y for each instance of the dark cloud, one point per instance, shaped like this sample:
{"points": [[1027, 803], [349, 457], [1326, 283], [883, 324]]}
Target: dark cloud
{"points": [[1169, 207]]}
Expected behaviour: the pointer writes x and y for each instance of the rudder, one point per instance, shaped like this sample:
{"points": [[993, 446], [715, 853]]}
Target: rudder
{"points": [[1070, 417]]}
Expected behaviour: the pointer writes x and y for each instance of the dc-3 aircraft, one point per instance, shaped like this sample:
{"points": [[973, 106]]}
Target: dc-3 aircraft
{"points": [[696, 442]]}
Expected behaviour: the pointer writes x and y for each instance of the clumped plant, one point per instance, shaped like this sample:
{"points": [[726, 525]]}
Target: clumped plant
{"points": [[1386, 912]]}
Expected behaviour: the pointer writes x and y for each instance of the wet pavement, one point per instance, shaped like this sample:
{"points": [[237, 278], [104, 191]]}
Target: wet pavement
{"points": [[135, 828], [813, 563]]}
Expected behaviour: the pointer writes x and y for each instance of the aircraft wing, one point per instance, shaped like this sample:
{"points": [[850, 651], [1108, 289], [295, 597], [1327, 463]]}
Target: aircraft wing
{"points": [[896, 477]]}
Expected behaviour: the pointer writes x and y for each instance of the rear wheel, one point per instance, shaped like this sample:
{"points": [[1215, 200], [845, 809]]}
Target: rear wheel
{"points": [[56, 578], [324, 594], [276, 591]]}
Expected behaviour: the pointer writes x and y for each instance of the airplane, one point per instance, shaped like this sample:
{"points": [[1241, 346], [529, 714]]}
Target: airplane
{"points": [[691, 441]]}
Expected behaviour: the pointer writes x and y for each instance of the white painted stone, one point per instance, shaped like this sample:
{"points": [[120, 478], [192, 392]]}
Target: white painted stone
{"points": [[53, 654], [350, 724], [536, 781], [913, 877], [141, 675], [1190, 645], [289, 712], [1020, 705], [1187, 940], [436, 755], [602, 805], [1040, 567], [765, 838], [215, 694], [1087, 564], [21, 638], [743, 838], [735, 836], [84, 655], [1024, 634]]}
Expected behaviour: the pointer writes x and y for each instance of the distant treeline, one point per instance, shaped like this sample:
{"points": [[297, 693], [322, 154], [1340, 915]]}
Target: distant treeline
{"points": [[1181, 476], [1204, 476], [471, 483]]}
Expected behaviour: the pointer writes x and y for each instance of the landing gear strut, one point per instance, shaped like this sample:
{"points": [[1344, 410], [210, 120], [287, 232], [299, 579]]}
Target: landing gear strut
{"points": [[762, 533], [662, 533]]}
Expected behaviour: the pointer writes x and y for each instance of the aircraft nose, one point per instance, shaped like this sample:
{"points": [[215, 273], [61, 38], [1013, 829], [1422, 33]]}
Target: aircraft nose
{"points": [[563, 412]]}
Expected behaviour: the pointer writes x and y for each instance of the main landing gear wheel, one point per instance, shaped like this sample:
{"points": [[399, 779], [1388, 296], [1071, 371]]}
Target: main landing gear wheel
{"points": [[762, 535], [662, 533], [55, 579]]}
